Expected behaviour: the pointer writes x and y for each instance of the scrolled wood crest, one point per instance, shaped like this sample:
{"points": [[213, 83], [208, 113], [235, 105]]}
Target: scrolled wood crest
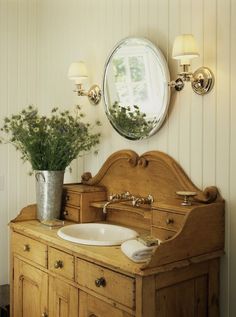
{"points": [[153, 172]]}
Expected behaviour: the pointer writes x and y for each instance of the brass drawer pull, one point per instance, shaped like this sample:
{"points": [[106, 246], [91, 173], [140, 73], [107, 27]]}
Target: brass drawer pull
{"points": [[26, 247], [44, 315], [58, 264], [169, 221], [100, 282], [65, 213], [67, 197]]}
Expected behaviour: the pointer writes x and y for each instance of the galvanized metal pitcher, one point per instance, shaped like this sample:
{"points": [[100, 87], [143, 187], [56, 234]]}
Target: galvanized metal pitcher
{"points": [[48, 194]]}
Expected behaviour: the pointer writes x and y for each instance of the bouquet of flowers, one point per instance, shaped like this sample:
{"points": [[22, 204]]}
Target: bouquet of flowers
{"points": [[49, 143]]}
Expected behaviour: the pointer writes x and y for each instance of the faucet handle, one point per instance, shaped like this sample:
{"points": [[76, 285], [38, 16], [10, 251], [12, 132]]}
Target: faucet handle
{"points": [[137, 201], [111, 196], [125, 195], [150, 199]]}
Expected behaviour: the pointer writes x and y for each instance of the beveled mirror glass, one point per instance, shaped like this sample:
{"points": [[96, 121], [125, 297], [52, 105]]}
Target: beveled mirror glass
{"points": [[135, 88]]}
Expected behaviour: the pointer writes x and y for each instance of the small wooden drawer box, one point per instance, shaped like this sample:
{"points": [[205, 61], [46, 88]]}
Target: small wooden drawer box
{"points": [[168, 220], [30, 249], [71, 213], [162, 234], [110, 284], [72, 198], [61, 263]]}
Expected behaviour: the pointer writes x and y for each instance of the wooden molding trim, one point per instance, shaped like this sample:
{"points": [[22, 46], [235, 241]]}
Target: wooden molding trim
{"points": [[27, 213], [153, 172], [125, 155]]}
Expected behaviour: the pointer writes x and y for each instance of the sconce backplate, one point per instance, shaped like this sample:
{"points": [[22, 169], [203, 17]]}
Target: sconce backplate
{"points": [[202, 81], [94, 95]]}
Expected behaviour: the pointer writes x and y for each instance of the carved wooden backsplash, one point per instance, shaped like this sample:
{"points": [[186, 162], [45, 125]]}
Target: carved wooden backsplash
{"points": [[153, 173]]}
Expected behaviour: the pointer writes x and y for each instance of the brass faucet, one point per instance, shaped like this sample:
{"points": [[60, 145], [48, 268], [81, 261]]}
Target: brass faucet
{"points": [[126, 196], [137, 201]]}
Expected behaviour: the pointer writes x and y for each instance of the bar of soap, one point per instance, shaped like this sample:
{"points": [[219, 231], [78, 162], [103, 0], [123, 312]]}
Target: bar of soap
{"points": [[149, 241]]}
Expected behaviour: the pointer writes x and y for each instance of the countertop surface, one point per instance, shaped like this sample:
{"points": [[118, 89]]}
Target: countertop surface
{"points": [[109, 256]]}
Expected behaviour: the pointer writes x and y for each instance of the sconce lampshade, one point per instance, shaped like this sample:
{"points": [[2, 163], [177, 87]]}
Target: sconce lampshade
{"points": [[77, 71], [185, 48]]}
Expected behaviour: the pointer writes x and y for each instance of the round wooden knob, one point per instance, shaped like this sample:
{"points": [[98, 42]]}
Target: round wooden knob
{"points": [[58, 264], [26, 248], [169, 221], [100, 282]]}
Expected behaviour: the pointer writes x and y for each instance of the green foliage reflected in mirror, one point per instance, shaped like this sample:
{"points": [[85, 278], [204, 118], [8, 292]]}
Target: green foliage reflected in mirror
{"points": [[135, 88]]}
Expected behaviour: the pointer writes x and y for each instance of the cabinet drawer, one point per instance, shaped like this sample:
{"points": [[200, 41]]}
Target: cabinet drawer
{"points": [[72, 198], [70, 213], [110, 284], [61, 263], [30, 249], [90, 306], [167, 220], [162, 234]]}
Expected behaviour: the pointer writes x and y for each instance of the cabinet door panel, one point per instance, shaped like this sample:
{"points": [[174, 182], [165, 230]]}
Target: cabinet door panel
{"points": [[63, 299], [30, 290], [185, 299]]}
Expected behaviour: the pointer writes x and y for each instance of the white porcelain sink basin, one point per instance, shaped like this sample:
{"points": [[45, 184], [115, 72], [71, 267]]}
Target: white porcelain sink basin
{"points": [[96, 234]]}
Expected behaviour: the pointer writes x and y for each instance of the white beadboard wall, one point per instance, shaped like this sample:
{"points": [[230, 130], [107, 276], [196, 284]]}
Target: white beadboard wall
{"points": [[40, 38]]}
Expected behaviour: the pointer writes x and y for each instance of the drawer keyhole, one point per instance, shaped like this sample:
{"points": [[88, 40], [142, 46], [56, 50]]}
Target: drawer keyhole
{"points": [[100, 282], [26, 247], [58, 264]]}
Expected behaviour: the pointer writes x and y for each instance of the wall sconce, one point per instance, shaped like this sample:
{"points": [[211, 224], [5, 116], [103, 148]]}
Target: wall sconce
{"points": [[78, 72], [185, 49]]}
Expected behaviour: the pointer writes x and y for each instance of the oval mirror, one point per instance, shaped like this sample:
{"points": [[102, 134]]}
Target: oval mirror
{"points": [[135, 88]]}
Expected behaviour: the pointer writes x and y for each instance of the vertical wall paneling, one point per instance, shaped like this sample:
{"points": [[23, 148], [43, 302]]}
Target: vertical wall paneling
{"points": [[3, 148], [174, 109], [40, 38], [185, 95], [196, 106], [210, 23], [232, 197], [25, 49], [223, 121]]}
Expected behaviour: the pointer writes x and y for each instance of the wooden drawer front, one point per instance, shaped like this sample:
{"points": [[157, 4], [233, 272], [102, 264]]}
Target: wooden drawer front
{"points": [[30, 249], [61, 263], [72, 198], [162, 234], [105, 282], [71, 213], [90, 306], [167, 220]]}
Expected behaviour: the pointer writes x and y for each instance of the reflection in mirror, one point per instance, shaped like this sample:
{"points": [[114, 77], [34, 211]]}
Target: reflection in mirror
{"points": [[135, 88]]}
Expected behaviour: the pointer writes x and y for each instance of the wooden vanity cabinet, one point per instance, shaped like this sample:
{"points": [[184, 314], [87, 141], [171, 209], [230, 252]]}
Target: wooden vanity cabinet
{"points": [[63, 285], [51, 277]]}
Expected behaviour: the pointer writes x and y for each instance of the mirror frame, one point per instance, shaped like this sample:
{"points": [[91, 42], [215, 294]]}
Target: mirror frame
{"points": [[166, 74]]}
